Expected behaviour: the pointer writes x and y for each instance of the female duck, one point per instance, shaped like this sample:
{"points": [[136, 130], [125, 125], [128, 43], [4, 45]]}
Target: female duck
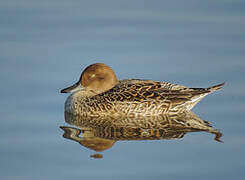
{"points": [[99, 93]]}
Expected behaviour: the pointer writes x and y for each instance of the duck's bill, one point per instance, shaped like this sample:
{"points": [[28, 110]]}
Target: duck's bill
{"points": [[73, 88]]}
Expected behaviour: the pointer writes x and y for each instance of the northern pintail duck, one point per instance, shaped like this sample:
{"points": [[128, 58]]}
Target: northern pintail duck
{"points": [[99, 93]]}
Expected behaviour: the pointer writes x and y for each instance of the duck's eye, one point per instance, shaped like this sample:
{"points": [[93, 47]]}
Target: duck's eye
{"points": [[100, 78]]}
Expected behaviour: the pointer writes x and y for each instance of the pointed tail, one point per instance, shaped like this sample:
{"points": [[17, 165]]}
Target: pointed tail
{"points": [[209, 89], [201, 93], [216, 87]]}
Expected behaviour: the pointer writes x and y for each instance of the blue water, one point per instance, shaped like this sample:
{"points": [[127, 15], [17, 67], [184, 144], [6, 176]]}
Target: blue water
{"points": [[44, 46]]}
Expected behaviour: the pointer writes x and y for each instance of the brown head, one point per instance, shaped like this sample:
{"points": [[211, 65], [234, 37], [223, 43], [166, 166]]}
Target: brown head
{"points": [[95, 79]]}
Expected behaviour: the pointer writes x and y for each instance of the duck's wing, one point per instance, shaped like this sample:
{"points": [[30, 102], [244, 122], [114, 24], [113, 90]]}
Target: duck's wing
{"points": [[151, 89], [144, 90], [147, 90]]}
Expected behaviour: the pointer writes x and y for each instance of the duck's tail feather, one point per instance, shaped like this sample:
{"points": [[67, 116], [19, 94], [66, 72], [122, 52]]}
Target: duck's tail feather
{"points": [[200, 93], [210, 89], [216, 87]]}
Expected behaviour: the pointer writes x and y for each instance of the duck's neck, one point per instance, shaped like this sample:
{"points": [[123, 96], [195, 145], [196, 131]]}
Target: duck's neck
{"points": [[83, 94], [74, 101]]}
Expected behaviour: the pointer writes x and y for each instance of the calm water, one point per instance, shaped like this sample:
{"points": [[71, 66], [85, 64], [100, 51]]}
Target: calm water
{"points": [[44, 45]]}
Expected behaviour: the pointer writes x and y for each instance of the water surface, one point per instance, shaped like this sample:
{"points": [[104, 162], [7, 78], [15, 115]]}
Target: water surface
{"points": [[44, 47]]}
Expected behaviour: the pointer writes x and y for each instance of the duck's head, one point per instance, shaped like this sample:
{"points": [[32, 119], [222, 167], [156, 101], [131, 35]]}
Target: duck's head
{"points": [[95, 79]]}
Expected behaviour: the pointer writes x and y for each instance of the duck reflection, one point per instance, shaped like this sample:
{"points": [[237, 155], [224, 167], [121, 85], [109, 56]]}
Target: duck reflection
{"points": [[101, 133]]}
